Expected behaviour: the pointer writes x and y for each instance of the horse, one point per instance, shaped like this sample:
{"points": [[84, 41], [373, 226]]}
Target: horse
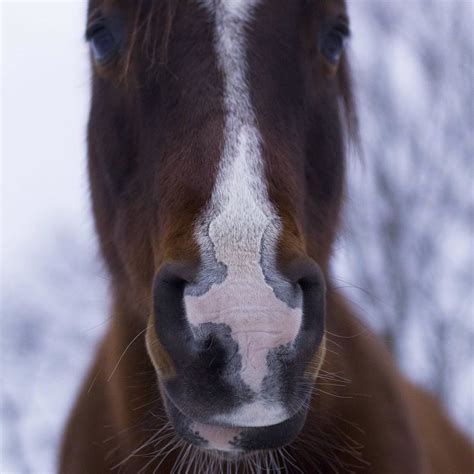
{"points": [[217, 147]]}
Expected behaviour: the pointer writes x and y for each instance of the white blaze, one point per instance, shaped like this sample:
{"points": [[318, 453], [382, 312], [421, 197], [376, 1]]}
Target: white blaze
{"points": [[238, 216]]}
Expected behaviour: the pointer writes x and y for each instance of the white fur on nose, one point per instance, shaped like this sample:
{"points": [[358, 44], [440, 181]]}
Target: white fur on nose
{"points": [[238, 217], [258, 319]]}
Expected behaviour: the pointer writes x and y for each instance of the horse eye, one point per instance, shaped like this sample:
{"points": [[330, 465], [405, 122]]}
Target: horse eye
{"points": [[333, 41], [104, 38], [103, 45]]}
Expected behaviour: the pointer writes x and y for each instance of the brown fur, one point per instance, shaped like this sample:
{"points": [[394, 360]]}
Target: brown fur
{"points": [[166, 90]]}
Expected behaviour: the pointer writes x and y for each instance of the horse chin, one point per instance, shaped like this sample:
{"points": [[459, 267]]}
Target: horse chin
{"points": [[233, 443]]}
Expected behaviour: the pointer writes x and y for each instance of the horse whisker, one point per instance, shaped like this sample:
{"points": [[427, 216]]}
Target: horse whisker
{"points": [[124, 352]]}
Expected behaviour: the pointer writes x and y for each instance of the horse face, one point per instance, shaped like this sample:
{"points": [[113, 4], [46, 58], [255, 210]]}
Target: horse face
{"points": [[216, 164]]}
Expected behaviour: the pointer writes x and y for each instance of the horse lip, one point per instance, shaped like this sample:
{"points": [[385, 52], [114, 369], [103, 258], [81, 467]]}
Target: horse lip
{"points": [[221, 424], [278, 435]]}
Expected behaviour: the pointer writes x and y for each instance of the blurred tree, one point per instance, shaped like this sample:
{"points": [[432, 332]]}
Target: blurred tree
{"points": [[410, 214]]}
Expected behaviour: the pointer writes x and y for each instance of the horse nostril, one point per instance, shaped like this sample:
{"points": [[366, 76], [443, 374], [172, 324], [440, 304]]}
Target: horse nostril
{"points": [[171, 324], [176, 273], [308, 275]]}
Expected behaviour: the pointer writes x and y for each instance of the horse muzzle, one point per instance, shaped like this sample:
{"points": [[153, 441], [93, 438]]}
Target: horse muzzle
{"points": [[240, 375]]}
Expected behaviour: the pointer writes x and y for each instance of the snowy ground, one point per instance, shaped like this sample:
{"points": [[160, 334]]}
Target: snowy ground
{"points": [[54, 304]]}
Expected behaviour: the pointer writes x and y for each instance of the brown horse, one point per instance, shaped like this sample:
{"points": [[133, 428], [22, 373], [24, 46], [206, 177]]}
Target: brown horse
{"points": [[216, 144]]}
